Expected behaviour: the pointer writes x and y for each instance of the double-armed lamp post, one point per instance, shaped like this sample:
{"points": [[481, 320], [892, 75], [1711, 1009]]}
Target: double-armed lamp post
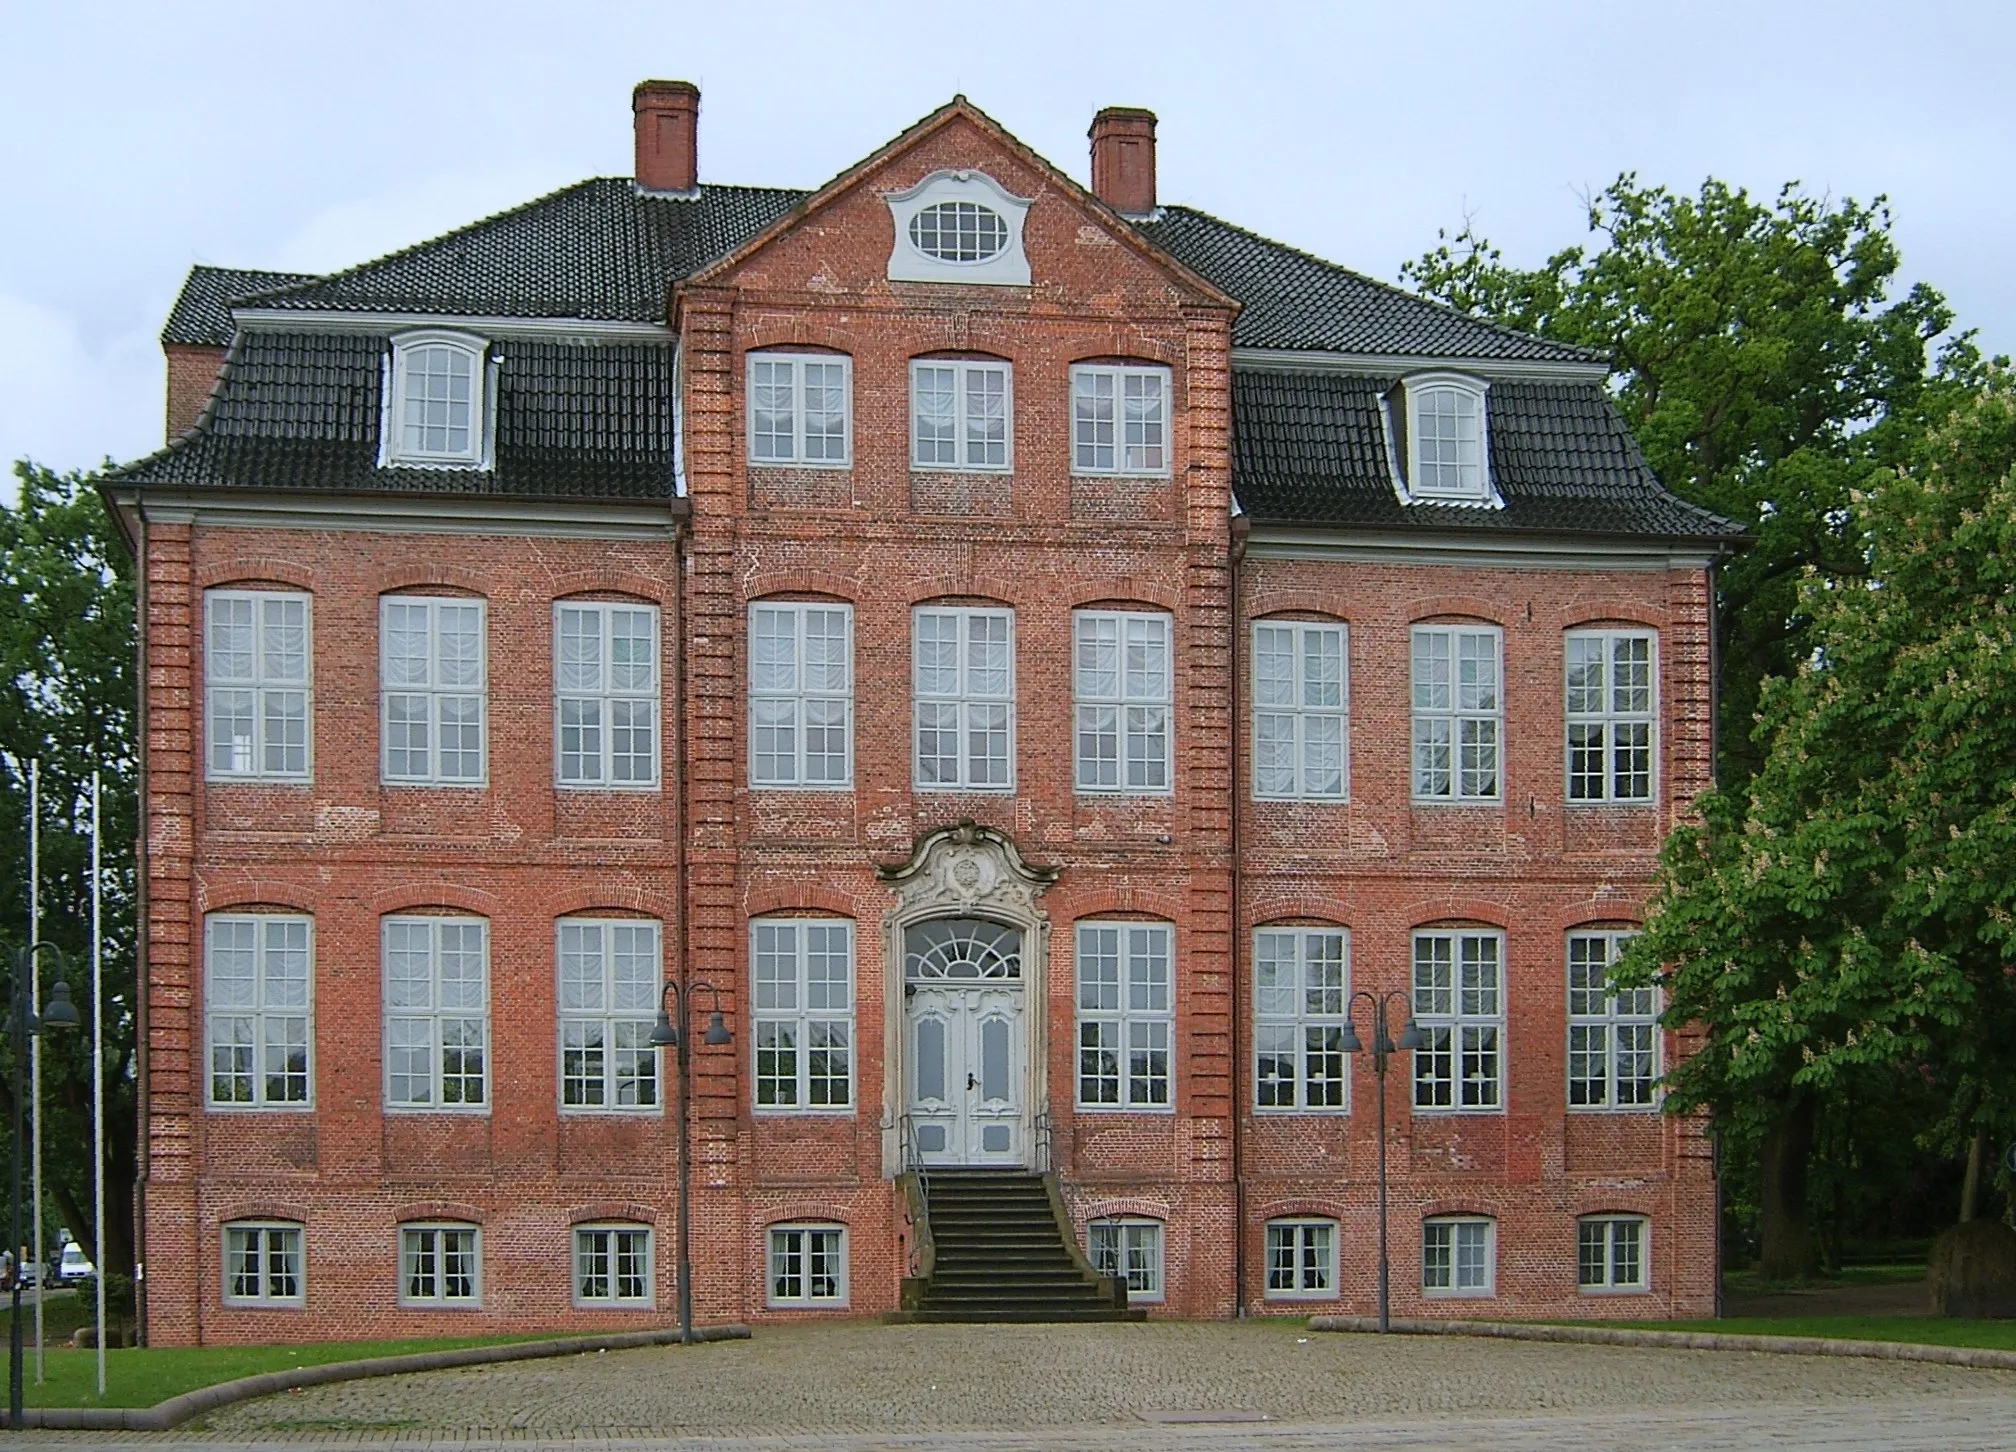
{"points": [[23, 1023], [674, 1029], [1383, 1046]]}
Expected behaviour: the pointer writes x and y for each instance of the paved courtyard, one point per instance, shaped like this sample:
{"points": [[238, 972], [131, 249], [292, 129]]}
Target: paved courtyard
{"points": [[1195, 1387]]}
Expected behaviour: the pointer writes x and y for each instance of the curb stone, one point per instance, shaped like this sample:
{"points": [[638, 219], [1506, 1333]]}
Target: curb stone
{"points": [[179, 1409]]}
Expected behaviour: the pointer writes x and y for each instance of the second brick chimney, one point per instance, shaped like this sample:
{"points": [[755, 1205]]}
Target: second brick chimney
{"points": [[1123, 160], [668, 135]]}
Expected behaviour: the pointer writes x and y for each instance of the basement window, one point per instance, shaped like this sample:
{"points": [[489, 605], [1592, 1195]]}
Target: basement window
{"points": [[437, 412]]}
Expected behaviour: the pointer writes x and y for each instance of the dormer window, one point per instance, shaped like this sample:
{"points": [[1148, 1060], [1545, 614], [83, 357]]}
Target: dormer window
{"points": [[437, 413], [958, 226], [1444, 439]]}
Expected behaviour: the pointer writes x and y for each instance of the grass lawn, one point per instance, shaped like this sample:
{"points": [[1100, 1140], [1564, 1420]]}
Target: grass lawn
{"points": [[1749, 1283], [1924, 1330]]}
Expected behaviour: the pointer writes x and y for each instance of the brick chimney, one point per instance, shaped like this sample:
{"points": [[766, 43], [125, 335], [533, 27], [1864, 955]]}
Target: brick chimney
{"points": [[1123, 160], [668, 135]]}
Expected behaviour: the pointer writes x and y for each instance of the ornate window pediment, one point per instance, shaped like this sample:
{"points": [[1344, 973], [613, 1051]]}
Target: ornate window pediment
{"points": [[961, 227]]}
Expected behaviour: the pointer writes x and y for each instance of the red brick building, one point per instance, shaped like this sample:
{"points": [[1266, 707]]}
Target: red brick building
{"points": [[1027, 656]]}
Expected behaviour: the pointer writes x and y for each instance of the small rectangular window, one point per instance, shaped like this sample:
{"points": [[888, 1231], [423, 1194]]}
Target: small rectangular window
{"points": [[437, 1013], [609, 987], [431, 689], [1301, 1259], [262, 1265], [1613, 702], [1128, 1248], [803, 1012], [605, 694], [961, 415], [801, 695], [1610, 1253], [439, 1265], [1119, 419], [612, 1266], [1300, 711], [1458, 713], [1613, 1034], [255, 684], [799, 408], [1126, 1016], [1457, 1256], [1459, 1004], [258, 999], [1301, 990], [1121, 689], [963, 676], [808, 1265]]}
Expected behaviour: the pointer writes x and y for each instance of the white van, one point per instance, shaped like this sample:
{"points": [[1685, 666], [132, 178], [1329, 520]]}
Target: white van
{"points": [[73, 1265]]}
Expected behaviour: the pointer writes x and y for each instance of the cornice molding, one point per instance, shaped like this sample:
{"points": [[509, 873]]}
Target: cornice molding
{"points": [[318, 320], [1387, 365]]}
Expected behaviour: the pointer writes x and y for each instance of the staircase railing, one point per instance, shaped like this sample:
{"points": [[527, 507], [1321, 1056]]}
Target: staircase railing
{"points": [[916, 1181], [1039, 1140]]}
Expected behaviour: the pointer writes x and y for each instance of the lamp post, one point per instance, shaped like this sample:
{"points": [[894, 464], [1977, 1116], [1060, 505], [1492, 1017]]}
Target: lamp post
{"points": [[1383, 1045], [22, 1023], [668, 1034]]}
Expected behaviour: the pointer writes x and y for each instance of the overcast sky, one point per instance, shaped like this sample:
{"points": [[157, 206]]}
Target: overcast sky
{"points": [[142, 137]]}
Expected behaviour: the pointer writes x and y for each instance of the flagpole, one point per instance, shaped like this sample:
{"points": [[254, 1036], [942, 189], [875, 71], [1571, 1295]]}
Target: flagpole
{"points": [[98, 1072], [35, 1048]]}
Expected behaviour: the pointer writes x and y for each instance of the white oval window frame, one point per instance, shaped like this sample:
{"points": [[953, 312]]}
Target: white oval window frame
{"points": [[909, 263]]}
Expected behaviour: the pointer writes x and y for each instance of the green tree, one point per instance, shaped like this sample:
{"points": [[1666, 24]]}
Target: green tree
{"points": [[66, 699]]}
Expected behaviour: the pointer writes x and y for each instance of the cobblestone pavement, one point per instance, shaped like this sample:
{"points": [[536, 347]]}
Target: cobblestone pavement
{"points": [[1133, 1388]]}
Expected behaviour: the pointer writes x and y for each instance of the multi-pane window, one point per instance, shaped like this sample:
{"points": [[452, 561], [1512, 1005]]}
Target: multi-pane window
{"points": [[1130, 1248], [431, 688], [612, 1265], [609, 986], [808, 1265], [1299, 706], [961, 415], [1121, 690], [262, 1265], [1611, 708], [255, 683], [1458, 713], [258, 1009], [1610, 1253], [439, 1265], [963, 674], [1301, 1258], [1119, 420], [801, 694], [1456, 1256], [1459, 1004], [1613, 1033], [436, 416], [437, 1012], [803, 1013], [1125, 1015], [1301, 991], [605, 688], [798, 408], [1446, 434]]}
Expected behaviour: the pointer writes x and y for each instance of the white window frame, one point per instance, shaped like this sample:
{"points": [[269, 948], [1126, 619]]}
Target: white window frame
{"points": [[433, 1014], [1466, 1013], [1296, 722], [781, 1008], [265, 1008], [614, 1300], [1456, 1226], [435, 690], [599, 1005], [1307, 1233], [805, 1298], [602, 691], [964, 436], [800, 415], [1476, 489], [267, 689], [437, 1231], [264, 1230], [1595, 1015], [1467, 717], [1124, 705], [1613, 712], [394, 450], [1130, 1015], [910, 263], [1313, 1034], [1085, 378], [1607, 1226], [801, 698], [968, 698], [1128, 1247]]}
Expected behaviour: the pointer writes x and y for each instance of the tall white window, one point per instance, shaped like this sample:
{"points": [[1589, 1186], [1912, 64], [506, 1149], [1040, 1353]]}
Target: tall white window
{"points": [[1301, 1259], [436, 415], [612, 1265], [255, 683], [808, 1265], [1300, 700], [803, 1014], [437, 1012], [440, 1265], [431, 688], [1457, 1256], [1126, 1016], [1612, 707], [801, 694], [1459, 713], [605, 694], [961, 415], [1130, 1248], [1610, 1253], [963, 673], [1613, 1033], [609, 985], [1121, 689], [1119, 419], [262, 1265], [1459, 1004], [258, 995], [798, 409], [1301, 990], [1445, 439]]}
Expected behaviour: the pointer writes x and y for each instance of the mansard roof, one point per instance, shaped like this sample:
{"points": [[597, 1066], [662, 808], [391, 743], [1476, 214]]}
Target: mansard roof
{"points": [[202, 314]]}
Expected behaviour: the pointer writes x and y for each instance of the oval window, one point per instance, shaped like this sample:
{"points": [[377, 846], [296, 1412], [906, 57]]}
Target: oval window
{"points": [[959, 232]]}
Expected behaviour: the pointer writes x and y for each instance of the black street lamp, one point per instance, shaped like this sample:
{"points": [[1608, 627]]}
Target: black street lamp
{"points": [[22, 1023], [667, 1034], [1383, 1045]]}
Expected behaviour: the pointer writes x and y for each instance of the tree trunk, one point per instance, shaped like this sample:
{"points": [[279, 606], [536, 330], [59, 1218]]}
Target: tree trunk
{"points": [[1787, 1228], [1970, 1188]]}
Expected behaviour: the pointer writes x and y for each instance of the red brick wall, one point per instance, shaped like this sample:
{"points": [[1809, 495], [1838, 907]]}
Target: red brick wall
{"points": [[191, 372]]}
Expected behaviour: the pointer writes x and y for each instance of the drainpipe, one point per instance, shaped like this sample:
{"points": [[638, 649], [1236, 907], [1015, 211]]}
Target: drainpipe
{"points": [[1241, 527]]}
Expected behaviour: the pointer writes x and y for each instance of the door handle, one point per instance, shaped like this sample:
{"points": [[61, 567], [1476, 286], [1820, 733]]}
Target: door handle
{"points": [[972, 1083]]}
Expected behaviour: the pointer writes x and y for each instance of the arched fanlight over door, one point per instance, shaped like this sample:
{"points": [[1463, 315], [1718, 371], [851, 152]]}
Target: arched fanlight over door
{"points": [[961, 948]]}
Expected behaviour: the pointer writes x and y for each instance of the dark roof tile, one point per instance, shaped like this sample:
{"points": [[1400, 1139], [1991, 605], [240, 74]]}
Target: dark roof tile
{"points": [[202, 314]]}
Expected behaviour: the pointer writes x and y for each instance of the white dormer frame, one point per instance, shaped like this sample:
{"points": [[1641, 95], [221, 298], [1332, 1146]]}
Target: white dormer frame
{"points": [[907, 263], [481, 449], [1405, 460]]}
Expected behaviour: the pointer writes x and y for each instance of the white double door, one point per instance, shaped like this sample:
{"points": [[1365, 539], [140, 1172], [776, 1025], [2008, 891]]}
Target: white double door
{"points": [[967, 1066]]}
